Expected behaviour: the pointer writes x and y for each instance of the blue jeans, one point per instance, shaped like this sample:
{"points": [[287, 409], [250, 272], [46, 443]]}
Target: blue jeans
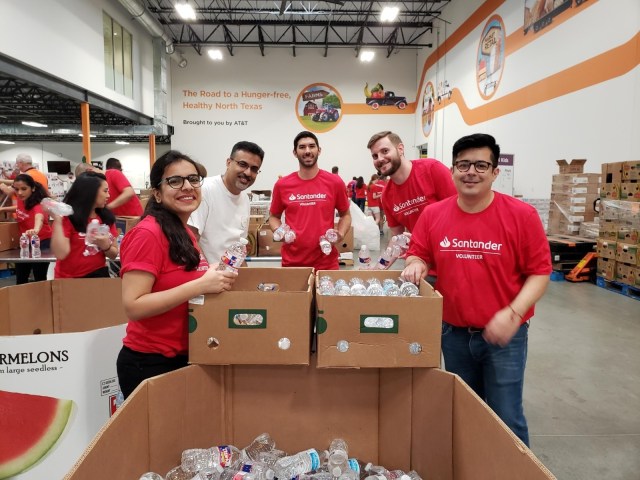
{"points": [[495, 373]]}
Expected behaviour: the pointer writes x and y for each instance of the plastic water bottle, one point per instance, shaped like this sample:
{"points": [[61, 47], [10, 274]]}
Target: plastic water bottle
{"points": [[325, 246], [385, 259], [35, 246], [359, 467], [24, 246], [303, 462], [151, 476], [262, 443], [326, 287], [375, 290], [55, 207], [337, 461], [332, 235], [278, 233], [364, 256], [233, 257], [342, 288], [92, 230], [391, 288], [401, 240], [409, 289]]}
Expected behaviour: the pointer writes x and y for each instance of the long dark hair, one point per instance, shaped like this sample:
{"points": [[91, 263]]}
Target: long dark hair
{"points": [[38, 192], [82, 197], [360, 182], [181, 248]]}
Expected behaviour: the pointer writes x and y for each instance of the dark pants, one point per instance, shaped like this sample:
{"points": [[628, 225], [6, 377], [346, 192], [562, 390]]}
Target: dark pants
{"points": [[102, 272], [361, 202], [23, 270], [135, 367]]}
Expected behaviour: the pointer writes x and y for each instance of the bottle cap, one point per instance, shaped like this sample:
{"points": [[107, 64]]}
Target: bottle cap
{"points": [[244, 241]]}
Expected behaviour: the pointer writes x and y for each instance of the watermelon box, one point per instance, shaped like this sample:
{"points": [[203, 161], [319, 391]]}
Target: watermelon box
{"points": [[403, 418], [59, 341]]}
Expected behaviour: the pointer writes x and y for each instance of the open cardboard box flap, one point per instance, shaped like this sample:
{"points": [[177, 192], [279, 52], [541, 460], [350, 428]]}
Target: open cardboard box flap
{"points": [[422, 419], [61, 306]]}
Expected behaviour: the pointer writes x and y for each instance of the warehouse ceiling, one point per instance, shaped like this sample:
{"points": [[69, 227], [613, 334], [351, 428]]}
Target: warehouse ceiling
{"points": [[30, 95], [298, 24]]}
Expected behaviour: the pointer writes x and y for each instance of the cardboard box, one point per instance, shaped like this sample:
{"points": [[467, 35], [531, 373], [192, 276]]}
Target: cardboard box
{"points": [[249, 326], [255, 221], [422, 419], [612, 172], [267, 246], [608, 230], [627, 253], [606, 249], [628, 235], [125, 223], [606, 268], [576, 188], [631, 170], [576, 178], [627, 274], [412, 322], [79, 325], [610, 191], [575, 166], [347, 242], [9, 236], [630, 192]]}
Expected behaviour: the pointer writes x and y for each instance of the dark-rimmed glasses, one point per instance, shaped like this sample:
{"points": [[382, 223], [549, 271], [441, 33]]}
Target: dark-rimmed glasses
{"points": [[481, 166], [177, 181], [244, 165]]}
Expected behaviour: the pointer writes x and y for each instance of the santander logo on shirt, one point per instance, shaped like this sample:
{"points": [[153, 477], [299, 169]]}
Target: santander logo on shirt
{"points": [[307, 198], [471, 249], [409, 203]]}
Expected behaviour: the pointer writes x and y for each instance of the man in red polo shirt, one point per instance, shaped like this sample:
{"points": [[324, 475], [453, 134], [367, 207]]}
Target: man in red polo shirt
{"points": [[125, 201]]}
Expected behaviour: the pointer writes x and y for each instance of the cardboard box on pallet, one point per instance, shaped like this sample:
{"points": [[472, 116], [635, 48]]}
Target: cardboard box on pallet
{"points": [[575, 166], [627, 274], [249, 326], [607, 248], [610, 191], [612, 172], [422, 419], [379, 332], [630, 191], [606, 268], [627, 253], [631, 170], [9, 236], [59, 340]]}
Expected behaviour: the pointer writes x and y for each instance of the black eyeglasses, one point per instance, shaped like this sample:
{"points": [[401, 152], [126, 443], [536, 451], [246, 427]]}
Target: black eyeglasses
{"points": [[244, 165], [480, 165], [177, 181]]}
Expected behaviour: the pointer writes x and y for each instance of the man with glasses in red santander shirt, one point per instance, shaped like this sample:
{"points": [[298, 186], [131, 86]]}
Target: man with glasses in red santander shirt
{"points": [[493, 263], [223, 215]]}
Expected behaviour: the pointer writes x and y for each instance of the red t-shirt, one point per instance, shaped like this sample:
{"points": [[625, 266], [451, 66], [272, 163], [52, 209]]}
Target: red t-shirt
{"points": [[117, 183], [429, 182], [374, 193], [361, 192], [309, 207], [146, 248], [27, 218], [482, 259], [76, 264]]}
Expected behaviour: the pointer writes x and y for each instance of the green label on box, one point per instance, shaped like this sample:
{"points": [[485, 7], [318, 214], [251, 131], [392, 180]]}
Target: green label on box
{"points": [[378, 323], [247, 318]]}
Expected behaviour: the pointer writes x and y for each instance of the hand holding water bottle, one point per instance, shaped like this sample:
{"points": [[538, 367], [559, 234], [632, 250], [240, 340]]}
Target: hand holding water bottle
{"points": [[217, 281], [284, 233], [55, 207], [332, 235]]}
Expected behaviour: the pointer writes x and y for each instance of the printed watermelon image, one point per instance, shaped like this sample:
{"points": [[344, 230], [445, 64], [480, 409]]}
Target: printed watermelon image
{"points": [[29, 426]]}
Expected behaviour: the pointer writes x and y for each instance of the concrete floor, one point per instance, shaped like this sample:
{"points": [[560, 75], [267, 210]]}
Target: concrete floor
{"points": [[582, 391]]}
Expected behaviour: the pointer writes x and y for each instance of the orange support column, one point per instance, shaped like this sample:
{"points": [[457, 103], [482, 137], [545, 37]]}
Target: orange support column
{"points": [[152, 150], [86, 132]]}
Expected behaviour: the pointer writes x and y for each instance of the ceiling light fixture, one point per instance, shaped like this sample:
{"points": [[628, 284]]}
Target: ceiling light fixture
{"points": [[389, 14], [185, 11], [7, 142], [34, 124], [214, 54], [91, 135], [367, 55], [122, 142]]}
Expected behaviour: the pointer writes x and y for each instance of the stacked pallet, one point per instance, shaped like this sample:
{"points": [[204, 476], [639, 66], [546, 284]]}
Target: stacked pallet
{"points": [[619, 235]]}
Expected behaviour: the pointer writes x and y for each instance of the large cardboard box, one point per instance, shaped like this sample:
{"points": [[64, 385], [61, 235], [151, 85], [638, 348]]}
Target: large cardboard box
{"points": [[422, 419], [267, 246], [378, 331], [255, 221], [630, 191], [249, 326], [125, 223], [79, 325], [612, 172], [631, 170], [9, 236]]}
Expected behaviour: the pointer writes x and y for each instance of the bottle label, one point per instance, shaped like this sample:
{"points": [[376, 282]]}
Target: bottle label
{"points": [[231, 260], [225, 455], [354, 465], [314, 457], [239, 475], [365, 260]]}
